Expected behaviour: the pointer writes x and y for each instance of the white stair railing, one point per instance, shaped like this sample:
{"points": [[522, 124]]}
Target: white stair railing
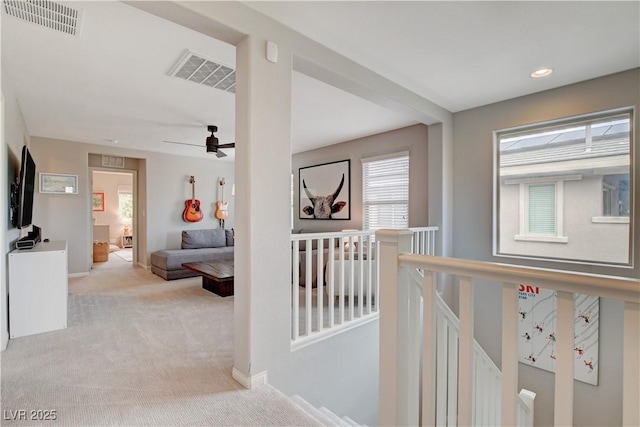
{"points": [[487, 378], [329, 274], [405, 402]]}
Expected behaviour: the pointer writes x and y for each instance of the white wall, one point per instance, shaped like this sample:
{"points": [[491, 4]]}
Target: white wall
{"points": [[163, 188], [412, 139], [472, 232]]}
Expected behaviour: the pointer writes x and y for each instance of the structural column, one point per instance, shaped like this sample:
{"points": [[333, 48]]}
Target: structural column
{"points": [[262, 217]]}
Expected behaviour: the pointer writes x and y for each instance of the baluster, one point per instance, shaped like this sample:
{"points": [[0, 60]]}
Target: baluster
{"points": [[443, 365], [377, 274], [308, 286], [564, 351], [369, 274], [465, 354], [509, 353], [320, 284], [351, 278], [432, 242], [452, 352], [360, 280], [630, 369], [404, 347], [331, 284], [414, 326], [341, 290], [429, 339], [295, 295]]}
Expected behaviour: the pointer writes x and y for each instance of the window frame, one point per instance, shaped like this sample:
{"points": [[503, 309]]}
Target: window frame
{"points": [[125, 190], [559, 238], [392, 156]]}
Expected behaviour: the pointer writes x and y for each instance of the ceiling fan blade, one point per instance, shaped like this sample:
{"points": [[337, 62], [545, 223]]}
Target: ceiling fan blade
{"points": [[220, 154], [229, 145], [183, 143]]}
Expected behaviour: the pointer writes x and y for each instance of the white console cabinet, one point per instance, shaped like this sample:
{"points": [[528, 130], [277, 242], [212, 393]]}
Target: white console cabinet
{"points": [[38, 289]]}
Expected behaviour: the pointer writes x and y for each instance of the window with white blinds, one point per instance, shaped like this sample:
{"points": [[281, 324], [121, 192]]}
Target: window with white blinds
{"points": [[385, 182], [542, 209]]}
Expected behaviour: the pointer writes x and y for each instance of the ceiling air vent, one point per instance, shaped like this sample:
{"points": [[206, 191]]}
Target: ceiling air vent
{"points": [[113, 161], [197, 69], [50, 14]]}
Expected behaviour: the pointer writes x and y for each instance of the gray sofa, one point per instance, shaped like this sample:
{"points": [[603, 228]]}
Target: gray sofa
{"points": [[197, 245]]}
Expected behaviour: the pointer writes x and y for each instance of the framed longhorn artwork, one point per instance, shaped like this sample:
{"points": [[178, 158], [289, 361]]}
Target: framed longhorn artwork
{"points": [[325, 191]]}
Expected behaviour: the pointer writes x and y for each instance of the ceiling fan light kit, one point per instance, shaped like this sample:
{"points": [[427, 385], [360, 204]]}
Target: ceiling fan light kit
{"points": [[213, 144]]}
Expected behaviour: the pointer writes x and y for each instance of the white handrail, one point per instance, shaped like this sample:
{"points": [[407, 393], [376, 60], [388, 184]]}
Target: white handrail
{"points": [[620, 288], [395, 260]]}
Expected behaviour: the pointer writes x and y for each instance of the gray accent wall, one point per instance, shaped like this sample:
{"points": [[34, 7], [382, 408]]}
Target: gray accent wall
{"points": [[413, 139], [472, 233]]}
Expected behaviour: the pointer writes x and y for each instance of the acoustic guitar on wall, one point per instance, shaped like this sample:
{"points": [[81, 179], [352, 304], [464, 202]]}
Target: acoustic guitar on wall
{"points": [[222, 207], [192, 211]]}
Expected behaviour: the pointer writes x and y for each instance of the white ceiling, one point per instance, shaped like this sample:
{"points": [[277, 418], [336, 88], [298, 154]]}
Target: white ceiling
{"points": [[464, 54], [111, 82]]}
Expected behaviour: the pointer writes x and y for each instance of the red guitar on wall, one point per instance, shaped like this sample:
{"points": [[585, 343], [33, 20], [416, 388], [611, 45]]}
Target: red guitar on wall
{"points": [[192, 211]]}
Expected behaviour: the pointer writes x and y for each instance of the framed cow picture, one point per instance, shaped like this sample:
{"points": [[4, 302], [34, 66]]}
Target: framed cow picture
{"points": [[325, 191]]}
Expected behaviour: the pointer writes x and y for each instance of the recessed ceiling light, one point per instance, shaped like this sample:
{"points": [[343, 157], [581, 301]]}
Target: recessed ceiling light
{"points": [[541, 72]]}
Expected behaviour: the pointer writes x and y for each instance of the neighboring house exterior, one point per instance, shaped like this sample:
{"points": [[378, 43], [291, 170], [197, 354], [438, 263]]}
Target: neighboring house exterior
{"points": [[565, 193]]}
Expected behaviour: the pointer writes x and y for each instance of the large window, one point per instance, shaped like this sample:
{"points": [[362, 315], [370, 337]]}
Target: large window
{"points": [[385, 190], [563, 189]]}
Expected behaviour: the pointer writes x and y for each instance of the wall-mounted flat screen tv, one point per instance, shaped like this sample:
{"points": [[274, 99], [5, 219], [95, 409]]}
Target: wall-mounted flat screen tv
{"points": [[23, 198]]}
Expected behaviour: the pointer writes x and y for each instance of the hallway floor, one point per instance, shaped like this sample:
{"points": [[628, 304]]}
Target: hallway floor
{"points": [[138, 350]]}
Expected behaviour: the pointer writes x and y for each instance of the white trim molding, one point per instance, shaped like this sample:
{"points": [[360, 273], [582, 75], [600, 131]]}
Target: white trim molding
{"points": [[610, 220], [250, 382], [541, 238]]}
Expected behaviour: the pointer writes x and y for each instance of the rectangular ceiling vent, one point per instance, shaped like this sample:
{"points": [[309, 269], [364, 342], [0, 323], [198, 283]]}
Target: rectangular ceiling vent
{"points": [[46, 13], [113, 161], [197, 69]]}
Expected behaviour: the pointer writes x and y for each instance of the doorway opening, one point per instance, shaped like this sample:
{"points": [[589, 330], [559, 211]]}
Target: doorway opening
{"points": [[113, 213]]}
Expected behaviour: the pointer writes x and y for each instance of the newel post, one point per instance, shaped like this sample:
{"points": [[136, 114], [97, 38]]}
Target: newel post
{"points": [[392, 384]]}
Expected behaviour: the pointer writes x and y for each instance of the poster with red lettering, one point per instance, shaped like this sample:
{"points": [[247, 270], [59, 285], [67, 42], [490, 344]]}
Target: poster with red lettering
{"points": [[536, 326]]}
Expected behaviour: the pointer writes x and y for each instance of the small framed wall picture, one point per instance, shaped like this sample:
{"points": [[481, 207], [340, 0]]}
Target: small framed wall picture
{"points": [[97, 202], [56, 183]]}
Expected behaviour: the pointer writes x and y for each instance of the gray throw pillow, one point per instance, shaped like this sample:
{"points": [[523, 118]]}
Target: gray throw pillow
{"points": [[230, 235], [211, 238]]}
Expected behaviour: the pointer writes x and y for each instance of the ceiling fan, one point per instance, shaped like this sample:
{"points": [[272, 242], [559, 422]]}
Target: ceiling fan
{"points": [[213, 144]]}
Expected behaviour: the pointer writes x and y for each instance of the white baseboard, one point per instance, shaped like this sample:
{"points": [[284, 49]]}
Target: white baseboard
{"points": [[250, 382], [72, 275]]}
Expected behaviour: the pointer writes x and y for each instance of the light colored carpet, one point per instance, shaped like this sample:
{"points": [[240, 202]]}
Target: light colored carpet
{"points": [[138, 351], [125, 254]]}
